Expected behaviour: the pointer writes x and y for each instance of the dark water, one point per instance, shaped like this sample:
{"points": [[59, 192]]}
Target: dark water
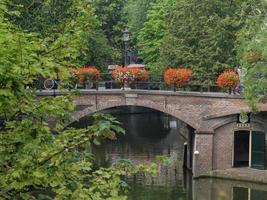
{"points": [[149, 135]]}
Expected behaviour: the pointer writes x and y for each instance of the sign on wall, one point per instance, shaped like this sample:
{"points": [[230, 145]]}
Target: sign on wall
{"points": [[243, 120]]}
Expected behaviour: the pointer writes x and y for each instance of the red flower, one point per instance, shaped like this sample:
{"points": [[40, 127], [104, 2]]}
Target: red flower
{"points": [[177, 76], [139, 74], [228, 79], [88, 73]]}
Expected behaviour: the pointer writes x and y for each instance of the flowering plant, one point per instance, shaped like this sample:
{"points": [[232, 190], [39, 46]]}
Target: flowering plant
{"points": [[123, 75], [228, 79], [177, 76], [139, 74], [88, 74]]}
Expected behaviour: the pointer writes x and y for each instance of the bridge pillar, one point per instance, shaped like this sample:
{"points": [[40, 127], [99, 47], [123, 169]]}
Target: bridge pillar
{"points": [[203, 148]]}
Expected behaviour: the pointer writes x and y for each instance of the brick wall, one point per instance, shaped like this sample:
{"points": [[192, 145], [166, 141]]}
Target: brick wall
{"points": [[202, 162], [223, 142], [223, 145], [198, 111]]}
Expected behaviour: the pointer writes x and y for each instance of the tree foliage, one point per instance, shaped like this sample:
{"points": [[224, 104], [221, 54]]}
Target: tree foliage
{"points": [[252, 52], [136, 11], [38, 161], [198, 34], [101, 36], [62, 38], [201, 34], [99, 52], [112, 22], [150, 37]]}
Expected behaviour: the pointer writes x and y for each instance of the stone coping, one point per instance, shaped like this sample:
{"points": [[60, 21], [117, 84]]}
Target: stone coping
{"points": [[239, 174], [140, 92]]}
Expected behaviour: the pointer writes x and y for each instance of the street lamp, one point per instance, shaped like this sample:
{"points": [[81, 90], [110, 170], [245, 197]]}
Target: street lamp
{"points": [[126, 39]]}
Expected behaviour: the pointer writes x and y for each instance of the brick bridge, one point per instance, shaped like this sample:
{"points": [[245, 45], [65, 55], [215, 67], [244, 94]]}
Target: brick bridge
{"points": [[213, 116]]}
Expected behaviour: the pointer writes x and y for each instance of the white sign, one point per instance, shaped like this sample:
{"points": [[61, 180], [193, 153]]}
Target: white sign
{"points": [[243, 125]]}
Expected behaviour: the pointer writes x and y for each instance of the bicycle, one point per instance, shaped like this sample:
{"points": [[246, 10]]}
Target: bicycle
{"points": [[50, 84]]}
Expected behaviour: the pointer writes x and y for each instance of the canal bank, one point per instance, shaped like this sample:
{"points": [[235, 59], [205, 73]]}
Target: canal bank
{"points": [[239, 174]]}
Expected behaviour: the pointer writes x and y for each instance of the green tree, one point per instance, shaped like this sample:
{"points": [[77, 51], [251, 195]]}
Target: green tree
{"points": [[50, 18], [98, 53], [137, 15], [63, 27], [253, 55], [112, 21], [150, 36], [202, 34], [38, 161]]}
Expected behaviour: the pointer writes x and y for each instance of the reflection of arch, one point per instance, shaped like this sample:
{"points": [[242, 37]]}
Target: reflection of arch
{"points": [[177, 114]]}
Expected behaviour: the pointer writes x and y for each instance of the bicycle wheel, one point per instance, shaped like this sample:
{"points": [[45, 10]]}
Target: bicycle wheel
{"points": [[49, 84]]}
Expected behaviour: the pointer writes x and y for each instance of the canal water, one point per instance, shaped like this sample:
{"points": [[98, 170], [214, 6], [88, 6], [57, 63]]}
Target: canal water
{"points": [[150, 134]]}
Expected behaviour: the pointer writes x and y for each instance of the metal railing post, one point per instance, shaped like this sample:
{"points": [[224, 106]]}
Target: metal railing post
{"points": [[209, 83], [201, 88]]}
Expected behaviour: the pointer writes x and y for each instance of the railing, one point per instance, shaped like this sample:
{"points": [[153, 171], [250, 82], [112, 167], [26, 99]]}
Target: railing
{"points": [[107, 83]]}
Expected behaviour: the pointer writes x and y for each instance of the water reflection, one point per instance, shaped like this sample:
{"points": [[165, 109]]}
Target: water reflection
{"points": [[145, 139], [151, 134], [218, 189]]}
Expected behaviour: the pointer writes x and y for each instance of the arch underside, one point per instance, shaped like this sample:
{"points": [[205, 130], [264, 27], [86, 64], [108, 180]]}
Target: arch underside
{"points": [[92, 109], [219, 122]]}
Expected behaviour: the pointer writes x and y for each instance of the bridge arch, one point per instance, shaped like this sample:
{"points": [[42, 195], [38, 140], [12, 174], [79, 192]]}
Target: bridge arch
{"points": [[79, 114], [213, 116], [203, 112]]}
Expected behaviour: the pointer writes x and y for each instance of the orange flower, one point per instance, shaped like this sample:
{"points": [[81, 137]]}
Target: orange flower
{"points": [[139, 74], [228, 79], [177, 76], [88, 73]]}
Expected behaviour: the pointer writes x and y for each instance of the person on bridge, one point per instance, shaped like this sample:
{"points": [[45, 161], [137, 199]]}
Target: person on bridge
{"points": [[240, 75], [239, 87]]}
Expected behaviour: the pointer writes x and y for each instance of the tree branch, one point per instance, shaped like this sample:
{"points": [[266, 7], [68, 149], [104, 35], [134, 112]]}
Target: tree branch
{"points": [[64, 149]]}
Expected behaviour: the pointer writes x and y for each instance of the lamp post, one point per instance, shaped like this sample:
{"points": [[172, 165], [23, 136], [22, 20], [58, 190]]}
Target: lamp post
{"points": [[126, 39]]}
